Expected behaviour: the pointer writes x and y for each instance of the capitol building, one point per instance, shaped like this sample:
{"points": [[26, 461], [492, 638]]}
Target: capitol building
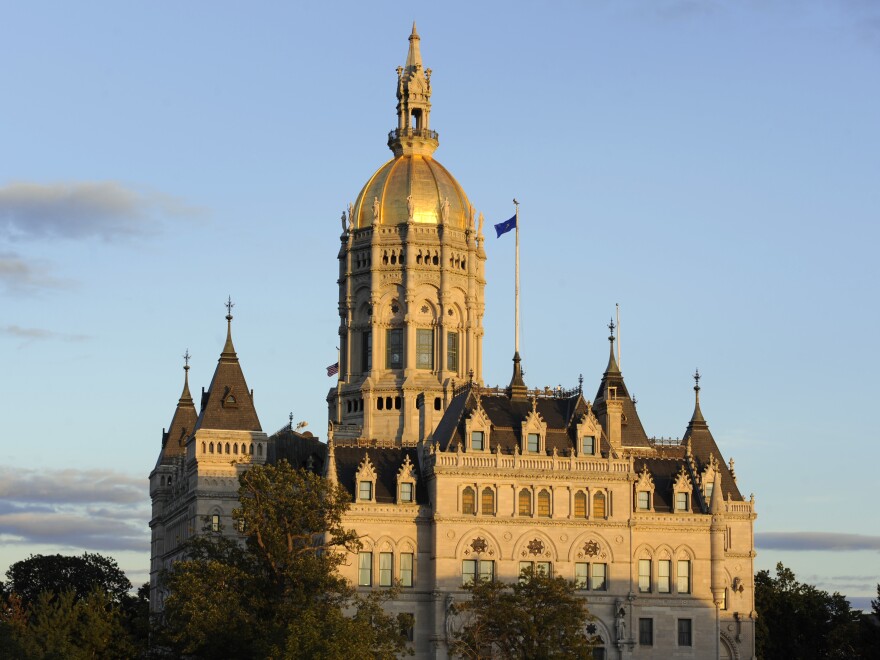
{"points": [[452, 480]]}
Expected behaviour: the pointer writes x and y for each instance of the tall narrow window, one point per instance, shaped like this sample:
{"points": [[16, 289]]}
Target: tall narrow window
{"points": [[366, 350], [709, 488], [406, 492], [487, 570], [365, 491], [684, 576], [599, 505], [588, 445], [581, 575], [477, 438], [544, 504], [487, 502], [386, 570], [644, 500], [664, 567], [406, 569], [533, 442], [580, 505], [468, 504], [424, 349], [598, 577], [544, 568], [452, 351], [646, 632], [365, 569], [394, 348], [681, 501], [525, 502], [468, 571], [215, 523], [684, 632], [644, 575]]}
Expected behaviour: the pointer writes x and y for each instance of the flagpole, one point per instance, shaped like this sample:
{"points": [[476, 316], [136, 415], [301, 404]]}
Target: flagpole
{"points": [[516, 323]]}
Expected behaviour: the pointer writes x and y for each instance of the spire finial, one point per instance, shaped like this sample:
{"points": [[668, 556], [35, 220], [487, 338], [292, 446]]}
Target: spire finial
{"points": [[697, 384], [228, 349], [186, 358], [611, 327], [229, 305], [290, 423]]}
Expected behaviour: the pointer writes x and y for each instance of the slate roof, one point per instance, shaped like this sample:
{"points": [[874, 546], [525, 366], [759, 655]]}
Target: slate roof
{"points": [[182, 424], [219, 411], [703, 446], [301, 450], [632, 432], [387, 462]]}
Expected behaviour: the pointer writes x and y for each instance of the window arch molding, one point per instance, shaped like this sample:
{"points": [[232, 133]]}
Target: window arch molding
{"points": [[598, 545], [533, 425], [366, 474], [643, 491], [477, 427], [580, 497], [522, 552]]}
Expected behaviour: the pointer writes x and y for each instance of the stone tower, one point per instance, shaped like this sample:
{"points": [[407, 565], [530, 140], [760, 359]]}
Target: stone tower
{"points": [[411, 281]]}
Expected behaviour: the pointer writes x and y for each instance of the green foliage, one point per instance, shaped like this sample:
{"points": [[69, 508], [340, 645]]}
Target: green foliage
{"points": [[798, 620], [279, 595], [536, 618], [64, 626], [56, 573]]}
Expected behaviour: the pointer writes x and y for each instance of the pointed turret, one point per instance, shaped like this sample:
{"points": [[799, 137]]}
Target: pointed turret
{"points": [[615, 408], [228, 404], [413, 134], [697, 420], [183, 421]]}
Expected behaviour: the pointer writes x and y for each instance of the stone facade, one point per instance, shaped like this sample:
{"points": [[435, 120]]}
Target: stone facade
{"points": [[450, 479]]}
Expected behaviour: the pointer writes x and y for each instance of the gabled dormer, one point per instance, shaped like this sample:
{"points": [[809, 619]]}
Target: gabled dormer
{"points": [[365, 481], [682, 489], [406, 482], [533, 436], [477, 429], [588, 432], [644, 491]]}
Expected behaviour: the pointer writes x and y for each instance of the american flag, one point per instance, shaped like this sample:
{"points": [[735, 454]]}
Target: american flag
{"points": [[333, 369]]}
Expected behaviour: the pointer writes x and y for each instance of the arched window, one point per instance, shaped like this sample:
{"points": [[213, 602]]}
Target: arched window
{"points": [[468, 503], [260, 449], [580, 505], [599, 505], [227, 447], [211, 448], [204, 448], [235, 449], [252, 449], [487, 502], [525, 502], [544, 504]]}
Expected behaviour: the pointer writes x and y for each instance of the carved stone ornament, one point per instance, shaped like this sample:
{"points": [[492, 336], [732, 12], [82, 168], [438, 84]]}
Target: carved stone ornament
{"points": [[536, 546], [591, 548], [479, 544]]}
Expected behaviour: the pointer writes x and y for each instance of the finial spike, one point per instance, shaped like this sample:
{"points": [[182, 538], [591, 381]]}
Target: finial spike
{"points": [[186, 358]]}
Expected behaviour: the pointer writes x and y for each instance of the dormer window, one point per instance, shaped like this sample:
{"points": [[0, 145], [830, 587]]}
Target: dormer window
{"points": [[644, 500], [406, 482], [365, 491], [478, 440], [681, 502], [588, 445], [406, 492], [709, 488], [533, 443]]}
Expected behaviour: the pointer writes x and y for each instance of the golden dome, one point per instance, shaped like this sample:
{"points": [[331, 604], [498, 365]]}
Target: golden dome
{"points": [[384, 198]]}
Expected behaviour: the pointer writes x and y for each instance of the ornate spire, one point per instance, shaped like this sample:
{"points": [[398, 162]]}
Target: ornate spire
{"points": [[413, 134], [697, 420], [228, 353], [612, 367], [185, 397], [517, 388]]}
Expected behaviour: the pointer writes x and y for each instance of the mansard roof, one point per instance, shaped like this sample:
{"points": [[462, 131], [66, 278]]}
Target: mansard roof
{"points": [[387, 462], [301, 450], [228, 403], [561, 412]]}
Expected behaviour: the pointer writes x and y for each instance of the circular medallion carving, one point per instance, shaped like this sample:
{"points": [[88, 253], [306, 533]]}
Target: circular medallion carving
{"points": [[507, 536], [618, 540], [563, 537], [450, 534]]}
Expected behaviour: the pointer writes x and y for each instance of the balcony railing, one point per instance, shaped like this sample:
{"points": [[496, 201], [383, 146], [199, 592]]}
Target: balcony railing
{"points": [[412, 132]]}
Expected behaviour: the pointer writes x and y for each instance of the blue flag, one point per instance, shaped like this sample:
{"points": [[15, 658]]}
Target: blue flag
{"points": [[504, 227]]}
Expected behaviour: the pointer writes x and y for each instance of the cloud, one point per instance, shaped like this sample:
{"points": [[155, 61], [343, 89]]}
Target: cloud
{"points": [[98, 510], [19, 276], [35, 334], [67, 486], [809, 541], [84, 209]]}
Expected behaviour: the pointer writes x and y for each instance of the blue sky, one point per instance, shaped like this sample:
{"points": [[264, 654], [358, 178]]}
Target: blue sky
{"points": [[711, 166]]}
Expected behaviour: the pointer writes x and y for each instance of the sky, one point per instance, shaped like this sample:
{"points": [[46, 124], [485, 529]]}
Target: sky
{"points": [[712, 167]]}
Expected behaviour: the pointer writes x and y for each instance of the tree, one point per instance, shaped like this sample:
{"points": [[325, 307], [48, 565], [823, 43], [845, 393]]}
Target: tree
{"points": [[57, 573], [538, 617], [279, 594], [798, 620]]}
